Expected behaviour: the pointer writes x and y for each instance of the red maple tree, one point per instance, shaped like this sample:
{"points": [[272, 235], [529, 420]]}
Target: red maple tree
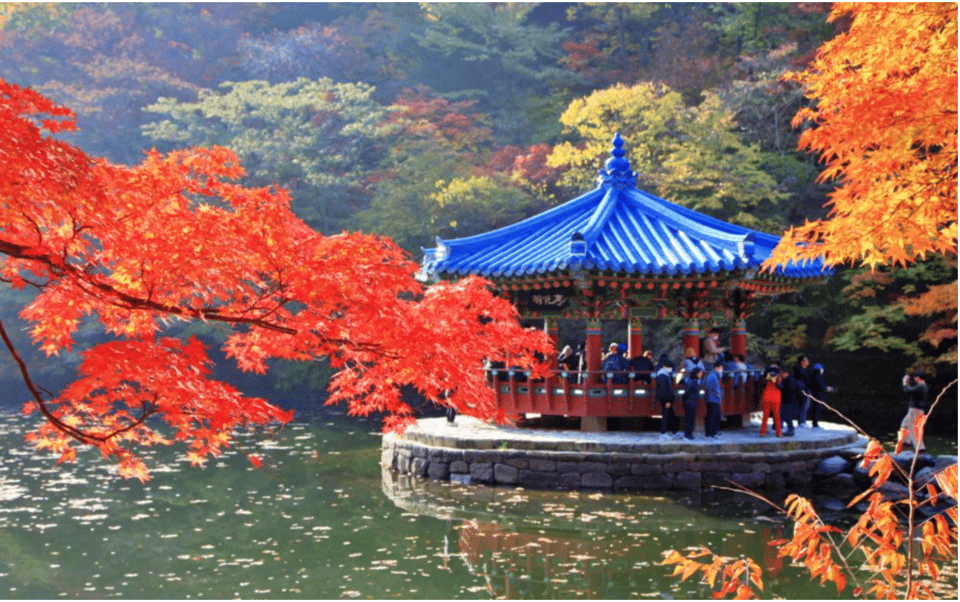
{"points": [[175, 238]]}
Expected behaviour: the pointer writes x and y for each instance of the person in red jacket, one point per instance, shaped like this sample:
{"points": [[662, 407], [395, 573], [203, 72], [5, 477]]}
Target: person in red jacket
{"points": [[770, 403]]}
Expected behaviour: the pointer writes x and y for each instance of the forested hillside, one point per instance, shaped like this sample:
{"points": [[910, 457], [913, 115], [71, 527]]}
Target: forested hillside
{"points": [[422, 120]]}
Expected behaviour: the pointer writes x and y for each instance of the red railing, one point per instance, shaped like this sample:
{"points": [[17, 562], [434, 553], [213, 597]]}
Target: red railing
{"points": [[563, 393]]}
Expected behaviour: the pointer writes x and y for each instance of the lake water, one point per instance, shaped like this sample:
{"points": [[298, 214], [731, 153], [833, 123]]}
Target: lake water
{"points": [[320, 521]]}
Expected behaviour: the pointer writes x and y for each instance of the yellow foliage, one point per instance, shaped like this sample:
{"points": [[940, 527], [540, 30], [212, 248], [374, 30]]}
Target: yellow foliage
{"points": [[689, 155], [884, 120]]}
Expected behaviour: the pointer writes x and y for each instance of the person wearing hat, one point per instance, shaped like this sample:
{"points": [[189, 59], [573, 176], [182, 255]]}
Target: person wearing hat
{"points": [[568, 361], [915, 386], [616, 365]]}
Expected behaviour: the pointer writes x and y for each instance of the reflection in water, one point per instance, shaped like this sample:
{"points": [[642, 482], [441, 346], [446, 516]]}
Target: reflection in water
{"points": [[321, 521], [530, 565], [544, 544]]}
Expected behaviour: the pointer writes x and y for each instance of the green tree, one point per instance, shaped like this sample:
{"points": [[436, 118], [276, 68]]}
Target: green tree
{"points": [[110, 60], [689, 155], [441, 178], [611, 40], [402, 206], [888, 309], [677, 44], [749, 28], [495, 54], [318, 139]]}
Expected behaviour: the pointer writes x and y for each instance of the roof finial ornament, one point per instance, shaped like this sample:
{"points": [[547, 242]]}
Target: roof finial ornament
{"points": [[617, 172]]}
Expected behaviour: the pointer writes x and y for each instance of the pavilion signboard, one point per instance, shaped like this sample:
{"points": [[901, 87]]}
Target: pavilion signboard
{"points": [[552, 301]]}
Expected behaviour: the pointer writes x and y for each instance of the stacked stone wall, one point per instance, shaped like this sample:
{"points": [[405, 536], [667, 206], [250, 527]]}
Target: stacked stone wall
{"points": [[609, 469]]}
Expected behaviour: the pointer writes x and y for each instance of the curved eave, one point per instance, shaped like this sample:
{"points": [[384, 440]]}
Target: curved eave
{"points": [[625, 231]]}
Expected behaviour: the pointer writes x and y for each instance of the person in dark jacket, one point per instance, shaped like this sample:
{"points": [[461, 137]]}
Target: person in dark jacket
{"points": [[691, 398], [791, 391], [615, 366], [642, 367], [714, 393], [568, 361], [667, 399], [915, 386], [818, 390], [802, 368]]}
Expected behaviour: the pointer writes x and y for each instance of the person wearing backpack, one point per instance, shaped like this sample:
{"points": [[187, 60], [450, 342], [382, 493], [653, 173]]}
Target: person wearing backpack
{"points": [[615, 366]]}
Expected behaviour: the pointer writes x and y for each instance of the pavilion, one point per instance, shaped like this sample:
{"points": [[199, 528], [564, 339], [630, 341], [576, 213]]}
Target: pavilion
{"points": [[619, 253]]}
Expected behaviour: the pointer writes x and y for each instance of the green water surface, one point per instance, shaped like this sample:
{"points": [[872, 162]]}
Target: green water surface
{"points": [[320, 521]]}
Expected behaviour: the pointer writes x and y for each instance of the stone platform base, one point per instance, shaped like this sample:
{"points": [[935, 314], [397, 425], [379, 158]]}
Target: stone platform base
{"points": [[471, 451]]}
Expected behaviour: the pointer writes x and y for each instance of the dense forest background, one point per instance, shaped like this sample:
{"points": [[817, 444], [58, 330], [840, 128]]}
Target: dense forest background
{"points": [[423, 120]]}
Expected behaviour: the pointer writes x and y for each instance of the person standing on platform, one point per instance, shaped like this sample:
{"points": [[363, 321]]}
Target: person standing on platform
{"points": [[569, 362], [770, 403], [667, 399], [914, 385], [714, 393], [818, 390], [791, 391], [803, 369], [691, 362], [711, 349], [642, 367], [691, 398], [615, 366]]}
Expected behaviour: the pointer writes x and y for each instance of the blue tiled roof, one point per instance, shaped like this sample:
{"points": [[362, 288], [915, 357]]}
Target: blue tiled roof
{"points": [[615, 227]]}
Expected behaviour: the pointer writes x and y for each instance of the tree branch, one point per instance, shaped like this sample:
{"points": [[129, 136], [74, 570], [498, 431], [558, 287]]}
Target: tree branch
{"points": [[78, 434]]}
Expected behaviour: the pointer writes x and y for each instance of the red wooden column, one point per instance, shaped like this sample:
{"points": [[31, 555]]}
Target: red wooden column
{"points": [[593, 350], [738, 346], [738, 337], [634, 338], [551, 326], [691, 336]]}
